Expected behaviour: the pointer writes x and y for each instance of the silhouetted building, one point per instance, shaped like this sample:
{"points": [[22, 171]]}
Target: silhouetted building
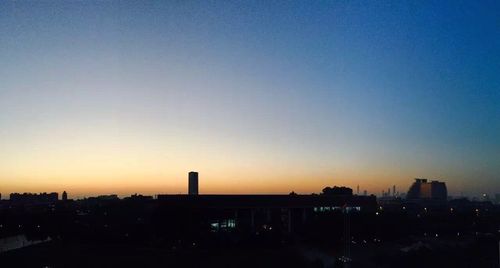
{"points": [[34, 198], [193, 183], [422, 189], [139, 197], [284, 212], [64, 196], [337, 191], [108, 197]]}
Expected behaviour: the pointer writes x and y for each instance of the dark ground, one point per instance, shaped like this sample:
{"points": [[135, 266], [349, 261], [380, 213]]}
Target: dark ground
{"points": [[469, 252], [55, 254]]}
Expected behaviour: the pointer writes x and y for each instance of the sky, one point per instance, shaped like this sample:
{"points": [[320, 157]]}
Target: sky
{"points": [[257, 96]]}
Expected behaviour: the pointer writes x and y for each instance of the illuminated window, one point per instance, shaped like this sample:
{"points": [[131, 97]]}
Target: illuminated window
{"points": [[225, 224], [214, 226]]}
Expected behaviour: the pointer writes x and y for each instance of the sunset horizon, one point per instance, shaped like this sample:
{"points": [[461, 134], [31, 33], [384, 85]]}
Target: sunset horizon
{"points": [[229, 133], [258, 97]]}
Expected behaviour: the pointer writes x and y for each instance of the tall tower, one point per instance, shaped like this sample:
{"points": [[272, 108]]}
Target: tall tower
{"points": [[64, 196], [193, 183]]}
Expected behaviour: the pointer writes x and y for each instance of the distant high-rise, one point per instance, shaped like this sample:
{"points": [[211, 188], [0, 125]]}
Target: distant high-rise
{"points": [[193, 183], [394, 190], [64, 196], [422, 189]]}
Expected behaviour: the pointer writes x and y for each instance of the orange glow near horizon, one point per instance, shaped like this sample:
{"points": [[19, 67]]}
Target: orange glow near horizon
{"points": [[101, 160], [94, 164], [211, 182], [120, 97]]}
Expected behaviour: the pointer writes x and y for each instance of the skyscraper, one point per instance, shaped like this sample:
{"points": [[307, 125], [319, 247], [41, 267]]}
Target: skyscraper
{"points": [[64, 196], [193, 183]]}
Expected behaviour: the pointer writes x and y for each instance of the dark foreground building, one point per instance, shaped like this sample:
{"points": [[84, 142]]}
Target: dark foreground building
{"points": [[251, 212]]}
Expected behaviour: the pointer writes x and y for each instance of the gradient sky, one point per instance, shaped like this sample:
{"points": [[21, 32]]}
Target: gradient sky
{"points": [[258, 96]]}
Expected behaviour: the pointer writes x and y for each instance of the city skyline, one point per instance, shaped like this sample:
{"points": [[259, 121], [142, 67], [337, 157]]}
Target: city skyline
{"points": [[193, 189], [124, 97]]}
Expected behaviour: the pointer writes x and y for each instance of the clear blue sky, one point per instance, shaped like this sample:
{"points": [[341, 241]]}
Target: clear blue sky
{"points": [[264, 96]]}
